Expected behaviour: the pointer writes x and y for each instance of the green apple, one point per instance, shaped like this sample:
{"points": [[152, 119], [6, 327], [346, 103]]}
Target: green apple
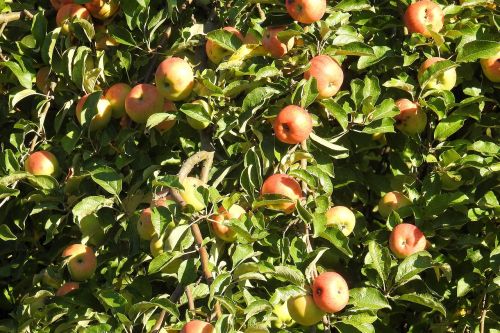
{"points": [[190, 193], [283, 318], [341, 217], [304, 311]]}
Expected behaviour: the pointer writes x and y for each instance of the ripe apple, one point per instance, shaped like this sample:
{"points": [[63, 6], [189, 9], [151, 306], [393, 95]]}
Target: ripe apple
{"points": [[392, 201], [145, 227], [284, 185], [328, 74], [103, 39], [102, 9], [81, 261], [103, 116], [283, 318], [66, 288], [198, 124], [304, 311], [142, 101], [217, 53], [42, 163], [306, 11], [116, 95], [42, 79], [444, 81], [69, 12], [166, 125], [59, 3], [174, 79], [406, 239], [222, 231], [190, 194], [273, 45], [491, 68], [198, 326], [342, 217], [421, 14], [292, 125], [330, 292], [156, 246], [411, 119]]}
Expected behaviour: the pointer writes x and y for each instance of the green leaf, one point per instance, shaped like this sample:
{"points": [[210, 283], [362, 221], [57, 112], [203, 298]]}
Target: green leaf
{"points": [[478, 49], [22, 76], [108, 179], [352, 5], [354, 49], [412, 266], [289, 274], [90, 205], [6, 234], [337, 112], [368, 299], [112, 299], [448, 126], [380, 259], [225, 39], [327, 144], [425, 300], [380, 53], [387, 109], [434, 71], [337, 239], [122, 35]]}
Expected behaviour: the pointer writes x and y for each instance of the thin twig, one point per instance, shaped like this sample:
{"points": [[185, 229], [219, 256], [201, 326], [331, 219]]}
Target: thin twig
{"points": [[190, 298], [483, 314], [16, 16], [176, 295]]}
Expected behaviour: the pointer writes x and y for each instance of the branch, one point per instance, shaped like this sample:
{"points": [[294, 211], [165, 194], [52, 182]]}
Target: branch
{"points": [[164, 38], [176, 295], [15, 16]]}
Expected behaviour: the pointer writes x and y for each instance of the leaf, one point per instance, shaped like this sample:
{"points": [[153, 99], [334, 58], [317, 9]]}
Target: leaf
{"points": [[387, 109], [368, 299], [23, 76], [411, 266], [380, 260], [225, 39], [112, 299], [6, 234], [327, 144], [478, 49], [448, 126], [121, 35], [380, 52], [434, 71], [337, 112], [352, 5], [20, 96], [425, 300], [289, 274], [90, 205], [108, 179], [337, 239], [354, 49]]}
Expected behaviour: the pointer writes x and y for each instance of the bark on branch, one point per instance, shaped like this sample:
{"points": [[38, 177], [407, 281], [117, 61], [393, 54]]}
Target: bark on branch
{"points": [[15, 16]]}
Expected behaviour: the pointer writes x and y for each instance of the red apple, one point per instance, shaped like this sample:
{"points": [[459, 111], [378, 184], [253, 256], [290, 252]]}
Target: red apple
{"points": [[102, 9], [175, 79], [411, 119], [69, 12], [421, 14], [217, 53], [81, 261], [330, 292], [406, 239], [166, 125], [306, 11], [42, 163], [292, 125], [444, 81], [222, 231], [145, 227], [116, 95], [66, 288], [198, 326], [284, 185], [273, 45], [392, 201], [328, 74], [103, 116], [59, 3], [491, 68], [142, 101]]}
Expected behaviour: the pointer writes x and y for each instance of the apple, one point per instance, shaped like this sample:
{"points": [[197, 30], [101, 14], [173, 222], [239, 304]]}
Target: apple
{"points": [[174, 79], [69, 12], [406, 239], [283, 318], [328, 74], [392, 201], [411, 119], [145, 227], [42, 163], [103, 39], [304, 310], [59, 3], [421, 14], [66, 288], [42, 79], [284, 185], [491, 68], [198, 124], [251, 38], [292, 125], [217, 220], [167, 125], [142, 101], [341, 217], [273, 45], [116, 95], [217, 53], [81, 261], [156, 246], [103, 116], [444, 81], [330, 292], [256, 330], [380, 138], [102, 9], [306, 11], [190, 194], [198, 326]]}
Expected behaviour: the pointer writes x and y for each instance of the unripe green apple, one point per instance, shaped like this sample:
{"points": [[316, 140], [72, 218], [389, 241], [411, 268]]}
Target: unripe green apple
{"points": [[190, 194], [341, 217], [42, 163], [411, 119], [283, 318], [81, 261], [304, 311], [392, 201], [445, 80], [156, 246]]}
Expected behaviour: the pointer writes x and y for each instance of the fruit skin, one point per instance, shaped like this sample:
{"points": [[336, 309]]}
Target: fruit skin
{"points": [[217, 53], [392, 201], [166, 125], [82, 261], [285, 185], [273, 45], [411, 119], [422, 13], [330, 292], [42, 163], [444, 81], [103, 116], [142, 101], [102, 9], [491, 68], [59, 3], [156, 246], [328, 74], [283, 316], [198, 326], [342, 217], [42, 79], [174, 79], [222, 231], [303, 310], [116, 95], [197, 124], [292, 125], [145, 227], [66, 288], [69, 12], [103, 39], [406, 239], [306, 11], [190, 194]]}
